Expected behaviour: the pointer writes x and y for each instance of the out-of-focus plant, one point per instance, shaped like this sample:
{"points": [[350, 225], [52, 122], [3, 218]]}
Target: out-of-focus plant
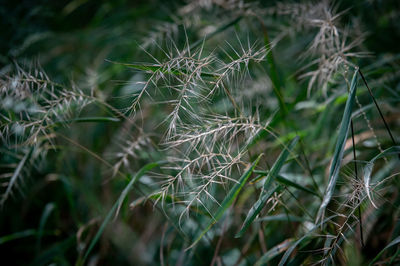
{"points": [[205, 132]]}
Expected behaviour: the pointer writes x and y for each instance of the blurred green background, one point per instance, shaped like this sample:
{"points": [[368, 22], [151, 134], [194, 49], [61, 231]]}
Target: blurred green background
{"points": [[64, 198]]}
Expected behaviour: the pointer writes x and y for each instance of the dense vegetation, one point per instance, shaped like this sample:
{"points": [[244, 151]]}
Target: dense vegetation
{"points": [[212, 132]]}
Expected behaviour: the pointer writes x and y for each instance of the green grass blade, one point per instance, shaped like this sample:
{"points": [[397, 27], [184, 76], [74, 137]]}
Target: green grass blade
{"points": [[339, 149], [290, 183], [282, 218], [133, 180], [262, 173], [117, 205], [94, 119], [227, 202], [257, 207], [273, 252], [257, 178], [55, 253], [395, 256], [396, 241], [88, 120], [370, 165], [295, 244], [17, 235], [276, 168], [46, 213], [273, 74]]}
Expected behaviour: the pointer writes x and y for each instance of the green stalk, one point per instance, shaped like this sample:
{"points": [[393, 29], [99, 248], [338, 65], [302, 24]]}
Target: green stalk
{"points": [[273, 72]]}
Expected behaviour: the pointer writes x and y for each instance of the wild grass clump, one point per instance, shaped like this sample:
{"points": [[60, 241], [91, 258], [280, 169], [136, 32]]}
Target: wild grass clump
{"points": [[221, 133]]}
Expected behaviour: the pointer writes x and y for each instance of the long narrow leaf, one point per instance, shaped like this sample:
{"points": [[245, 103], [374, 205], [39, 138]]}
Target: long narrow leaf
{"points": [[282, 218], [273, 252], [396, 241], [339, 149], [276, 168], [43, 219], [268, 191], [90, 119], [290, 183], [295, 244], [370, 165], [255, 210], [55, 252], [117, 205], [17, 235]]}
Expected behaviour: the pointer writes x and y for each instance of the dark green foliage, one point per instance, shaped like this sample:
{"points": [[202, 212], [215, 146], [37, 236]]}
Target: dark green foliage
{"points": [[201, 132]]}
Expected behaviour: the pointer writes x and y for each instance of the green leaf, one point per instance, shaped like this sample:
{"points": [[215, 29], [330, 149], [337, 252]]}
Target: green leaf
{"points": [[295, 244], [282, 218], [138, 175], [273, 252], [290, 183], [17, 235], [339, 149], [46, 213], [370, 165], [55, 252], [276, 168], [391, 244], [93, 119], [255, 209], [268, 191], [117, 206], [227, 202]]}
